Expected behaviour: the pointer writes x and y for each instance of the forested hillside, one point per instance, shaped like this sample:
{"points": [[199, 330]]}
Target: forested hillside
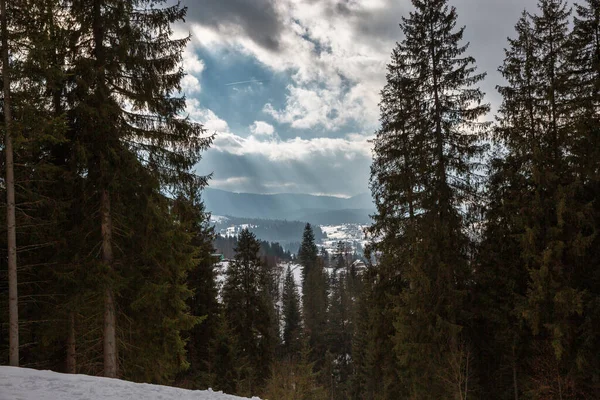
{"points": [[291, 207], [226, 246], [272, 230]]}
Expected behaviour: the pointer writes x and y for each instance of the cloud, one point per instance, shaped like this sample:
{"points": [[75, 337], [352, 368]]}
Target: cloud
{"points": [[262, 128], [258, 20], [330, 108], [296, 149], [206, 117], [321, 165], [264, 163], [332, 55], [190, 85], [336, 50], [335, 74], [193, 67], [192, 64]]}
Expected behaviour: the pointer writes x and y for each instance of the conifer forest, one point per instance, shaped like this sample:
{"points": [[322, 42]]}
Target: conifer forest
{"points": [[480, 273]]}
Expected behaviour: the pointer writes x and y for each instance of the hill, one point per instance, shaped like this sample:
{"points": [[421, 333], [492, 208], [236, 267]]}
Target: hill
{"points": [[289, 206], [31, 384]]}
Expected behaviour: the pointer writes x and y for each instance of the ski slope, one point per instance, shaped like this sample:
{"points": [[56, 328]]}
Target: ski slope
{"points": [[30, 384]]}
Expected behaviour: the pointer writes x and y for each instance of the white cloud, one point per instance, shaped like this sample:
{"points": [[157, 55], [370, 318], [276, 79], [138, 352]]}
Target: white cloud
{"points": [[296, 149], [190, 85], [336, 72], [192, 64], [233, 181], [193, 67], [262, 128], [270, 165], [212, 123]]}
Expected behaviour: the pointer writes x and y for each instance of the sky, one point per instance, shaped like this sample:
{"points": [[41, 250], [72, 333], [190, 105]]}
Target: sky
{"points": [[291, 87]]}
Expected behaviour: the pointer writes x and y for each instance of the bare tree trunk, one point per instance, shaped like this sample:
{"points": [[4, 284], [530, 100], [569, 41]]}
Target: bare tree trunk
{"points": [[110, 344], [467, 374], [560, 396], [71, 349], [514, 370], [13, 299], [516, 388]]}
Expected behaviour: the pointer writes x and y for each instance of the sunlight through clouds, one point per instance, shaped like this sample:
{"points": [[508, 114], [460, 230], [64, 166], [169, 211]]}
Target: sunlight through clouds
{"points": [[328, 61]]}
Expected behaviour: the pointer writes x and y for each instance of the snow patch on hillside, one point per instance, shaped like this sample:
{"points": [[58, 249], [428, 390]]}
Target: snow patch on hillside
{"points": [[352, 235], [30, 384], [218, 219]]}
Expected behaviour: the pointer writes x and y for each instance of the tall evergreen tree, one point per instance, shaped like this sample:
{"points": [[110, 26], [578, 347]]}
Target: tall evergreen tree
{"points": [[249, 312], [97, 118], [10, 190], [584, 59], [308, 252], [430, 129], [376, 368], [503, 337], [36, 129], [314, 292], [292, 318], [295, 379], [203, 303], [128, 69], [553, 223], [340, 330]]}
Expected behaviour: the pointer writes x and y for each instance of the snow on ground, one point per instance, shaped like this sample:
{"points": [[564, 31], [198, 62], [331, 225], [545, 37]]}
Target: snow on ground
{"points": [[234, 230], [296, 273], [351, 234], [217, 219], [30, 384]]}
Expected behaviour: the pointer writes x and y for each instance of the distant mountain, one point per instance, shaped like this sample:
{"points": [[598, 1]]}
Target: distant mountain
{"points": [[338, 217], [322, 210], [270, 230]]}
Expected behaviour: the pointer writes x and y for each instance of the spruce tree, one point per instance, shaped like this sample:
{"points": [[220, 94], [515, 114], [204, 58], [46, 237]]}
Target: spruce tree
{"points": [[584, 59], [314, 292], [340, 331], [552, 225], [295, 379], [37, 127], [308, 252], [128, 71], [249, 312], [100, 86], [503, 339], [424, 180], [292, 318], [10, 189], [203, 303]]}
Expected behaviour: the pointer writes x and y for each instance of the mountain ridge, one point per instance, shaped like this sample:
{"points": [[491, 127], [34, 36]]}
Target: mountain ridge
{"points": [[290, 206]]}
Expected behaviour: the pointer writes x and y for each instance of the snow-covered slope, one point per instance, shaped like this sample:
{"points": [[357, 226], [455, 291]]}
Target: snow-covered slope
{"points": [[30, 384]]}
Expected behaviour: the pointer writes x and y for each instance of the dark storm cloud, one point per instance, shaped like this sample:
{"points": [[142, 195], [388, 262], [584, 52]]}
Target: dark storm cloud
{"points": [[258, 19]]}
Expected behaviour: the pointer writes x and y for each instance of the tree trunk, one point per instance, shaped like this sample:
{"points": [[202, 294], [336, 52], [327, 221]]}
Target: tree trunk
{"points": [[13, 305], [515, 386], [110, 344], [71, 349], [514, 371]]}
